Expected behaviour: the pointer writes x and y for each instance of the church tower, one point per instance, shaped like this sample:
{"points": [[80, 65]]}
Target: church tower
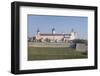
{"points": [[53, 30]]}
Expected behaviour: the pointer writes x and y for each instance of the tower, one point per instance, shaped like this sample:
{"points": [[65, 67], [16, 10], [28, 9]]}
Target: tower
{"points": [[53, 30], [72, 35], [38, 34], [38, 31]]}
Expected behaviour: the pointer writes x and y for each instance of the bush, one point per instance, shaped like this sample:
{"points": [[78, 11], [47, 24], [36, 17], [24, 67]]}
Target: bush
{"points": [[73, 45], [80, 41], [74, 42]]}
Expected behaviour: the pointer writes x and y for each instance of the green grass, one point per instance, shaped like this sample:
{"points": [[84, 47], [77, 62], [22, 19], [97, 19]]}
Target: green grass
{"points": [[40, 53]]}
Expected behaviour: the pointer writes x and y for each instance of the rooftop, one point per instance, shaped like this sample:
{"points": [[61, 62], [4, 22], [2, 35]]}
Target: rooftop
{"points": [[44, 34]]}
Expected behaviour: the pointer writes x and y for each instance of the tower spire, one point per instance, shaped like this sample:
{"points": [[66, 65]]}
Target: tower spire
{"points": [[72, 30], [38, 30], [53, 30]]}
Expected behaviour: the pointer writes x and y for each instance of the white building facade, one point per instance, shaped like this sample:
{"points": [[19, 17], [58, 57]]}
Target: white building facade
{"points": [[55, 37]]}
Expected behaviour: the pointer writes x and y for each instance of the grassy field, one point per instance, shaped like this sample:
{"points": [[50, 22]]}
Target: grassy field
{"points": [[40, 53]]}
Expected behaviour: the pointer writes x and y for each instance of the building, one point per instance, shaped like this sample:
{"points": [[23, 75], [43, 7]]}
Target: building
{"points": [[55, 37]]}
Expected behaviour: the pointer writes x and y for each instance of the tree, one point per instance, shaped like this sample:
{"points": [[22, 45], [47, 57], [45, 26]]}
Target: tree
{"points": [[74, 42], [34, 38], [80, 41], [47, 40], [62, 39], [40, 40]]}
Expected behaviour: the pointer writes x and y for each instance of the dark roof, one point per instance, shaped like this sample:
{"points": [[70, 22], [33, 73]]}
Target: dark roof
{"points": [[54, 34], [53, 29]]}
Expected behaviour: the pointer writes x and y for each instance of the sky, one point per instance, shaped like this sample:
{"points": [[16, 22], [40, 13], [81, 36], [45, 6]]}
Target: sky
{"points": [[62, 24]]}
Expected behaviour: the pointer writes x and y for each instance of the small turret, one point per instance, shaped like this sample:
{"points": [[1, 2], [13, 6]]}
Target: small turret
{"points": [[53, 30], [38, 31]]}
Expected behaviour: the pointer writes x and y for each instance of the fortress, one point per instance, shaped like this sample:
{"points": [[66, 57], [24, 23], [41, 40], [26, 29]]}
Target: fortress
{"points": [[55, 37]]}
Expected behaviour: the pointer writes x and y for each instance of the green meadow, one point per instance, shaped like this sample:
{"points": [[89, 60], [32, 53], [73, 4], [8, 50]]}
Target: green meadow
{"points": [[47, 53]]}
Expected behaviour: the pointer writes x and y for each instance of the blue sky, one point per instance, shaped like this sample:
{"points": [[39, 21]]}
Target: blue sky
{"points": [[62, 24]]}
